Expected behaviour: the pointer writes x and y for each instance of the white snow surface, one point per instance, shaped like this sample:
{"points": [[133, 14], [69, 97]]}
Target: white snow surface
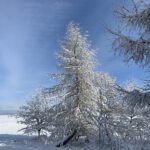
{"points": [[9, 125]]}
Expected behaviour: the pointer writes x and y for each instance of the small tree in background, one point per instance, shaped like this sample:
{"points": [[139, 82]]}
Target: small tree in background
{"points": [[34, 115]]}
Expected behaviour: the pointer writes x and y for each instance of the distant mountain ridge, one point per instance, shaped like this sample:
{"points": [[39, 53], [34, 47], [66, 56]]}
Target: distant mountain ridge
{"points": [[8, 110]]}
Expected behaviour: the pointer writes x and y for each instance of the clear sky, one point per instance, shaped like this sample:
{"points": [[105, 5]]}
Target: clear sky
{"points": [[30, 31]]}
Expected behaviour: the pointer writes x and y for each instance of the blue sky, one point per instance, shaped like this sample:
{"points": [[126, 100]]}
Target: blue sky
{"points": [[30, 31]]}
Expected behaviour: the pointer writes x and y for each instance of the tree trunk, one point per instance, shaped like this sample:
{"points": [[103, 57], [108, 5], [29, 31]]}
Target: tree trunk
{"points": [[67, 139], [39, 133]]}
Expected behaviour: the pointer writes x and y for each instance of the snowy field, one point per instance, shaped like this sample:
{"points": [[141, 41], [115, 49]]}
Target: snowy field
{"points": [[9, 125]]}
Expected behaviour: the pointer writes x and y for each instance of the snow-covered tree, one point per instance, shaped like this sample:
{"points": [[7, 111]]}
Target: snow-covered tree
{"points": [[133, 119], [75, 87], [130, 85], [108, 108], [135, 46], [35, 114]]}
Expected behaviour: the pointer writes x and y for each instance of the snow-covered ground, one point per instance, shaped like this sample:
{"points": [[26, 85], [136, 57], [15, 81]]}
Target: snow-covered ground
{"points": [[9, 125], [20, 142]]}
